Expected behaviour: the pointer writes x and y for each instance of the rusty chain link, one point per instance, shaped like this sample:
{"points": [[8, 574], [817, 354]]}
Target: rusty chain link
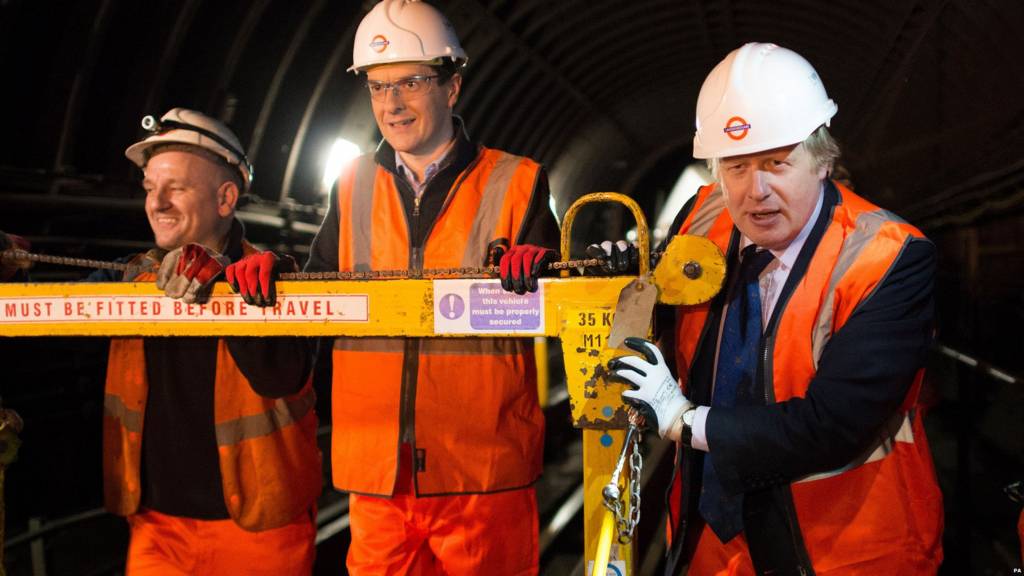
{"points": [[15, 255]]}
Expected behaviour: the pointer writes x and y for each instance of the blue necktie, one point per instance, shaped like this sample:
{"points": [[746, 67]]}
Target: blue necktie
{"points": [[734, 383]]}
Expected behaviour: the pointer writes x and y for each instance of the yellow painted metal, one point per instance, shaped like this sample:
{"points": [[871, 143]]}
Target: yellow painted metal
{"points": [[601, 450], [604, 544], [540, 353], [691, 271], [595, 402], [311, 308], [642, 238]]}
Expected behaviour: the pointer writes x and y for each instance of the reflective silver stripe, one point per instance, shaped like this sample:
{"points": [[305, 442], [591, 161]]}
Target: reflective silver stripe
{"points": [[867, 226], [490, 209], [114, 407], [370, 344], [474, 346], [285, 412], [904, 432], [707, 213], [362, 213]]}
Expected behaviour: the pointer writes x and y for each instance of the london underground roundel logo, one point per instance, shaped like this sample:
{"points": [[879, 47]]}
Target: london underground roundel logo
{"points": [[379, 43], [736, 128]]}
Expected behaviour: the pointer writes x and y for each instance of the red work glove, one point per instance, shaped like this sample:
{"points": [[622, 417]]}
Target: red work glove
{"points": [[189, 272], [522, 265], [10, 266], [255, 276]]}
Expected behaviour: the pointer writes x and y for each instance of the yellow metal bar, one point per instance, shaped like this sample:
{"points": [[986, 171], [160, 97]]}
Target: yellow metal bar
{"points": [[604, 544], [601, 450], [540, 353], [316, 308]]}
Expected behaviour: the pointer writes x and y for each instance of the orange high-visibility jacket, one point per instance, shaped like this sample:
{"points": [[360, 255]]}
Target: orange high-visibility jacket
{"points": [[468, 406], [269, 459], [881, 512]]}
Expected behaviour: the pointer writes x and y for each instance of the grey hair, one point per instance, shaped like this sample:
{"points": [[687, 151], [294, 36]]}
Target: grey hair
{"points": [[820, 144]]}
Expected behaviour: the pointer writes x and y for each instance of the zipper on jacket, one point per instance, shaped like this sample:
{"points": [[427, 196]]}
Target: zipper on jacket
{"points": [[804, 566], [411, 356], [410, 359]]}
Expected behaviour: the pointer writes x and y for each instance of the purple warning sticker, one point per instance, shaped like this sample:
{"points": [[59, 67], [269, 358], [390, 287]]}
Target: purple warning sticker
{"points": [[493, 309]]}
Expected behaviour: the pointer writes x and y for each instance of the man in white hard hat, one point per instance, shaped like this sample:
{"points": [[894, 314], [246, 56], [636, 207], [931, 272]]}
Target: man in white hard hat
{"points": [[209, 443], [795, 410], [438, 441]]}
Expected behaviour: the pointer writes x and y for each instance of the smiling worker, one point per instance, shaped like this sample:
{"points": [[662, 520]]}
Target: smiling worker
{"points": [[433, 491]]}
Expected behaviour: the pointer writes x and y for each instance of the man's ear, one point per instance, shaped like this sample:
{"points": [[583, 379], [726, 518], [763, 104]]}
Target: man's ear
{"points": [[454, 89], [227, 198]]}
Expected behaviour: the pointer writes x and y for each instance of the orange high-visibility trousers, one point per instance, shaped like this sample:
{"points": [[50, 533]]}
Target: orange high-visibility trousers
{"points": [[164, 545], [493, 534]]}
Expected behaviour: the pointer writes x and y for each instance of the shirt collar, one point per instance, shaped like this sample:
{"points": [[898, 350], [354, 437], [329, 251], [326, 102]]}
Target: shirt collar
{"points": [[433, 168], [787, 256]]}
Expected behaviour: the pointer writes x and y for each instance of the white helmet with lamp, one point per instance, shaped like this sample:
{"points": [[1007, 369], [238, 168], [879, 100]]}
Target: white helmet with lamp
{"points": [[184, 126]]}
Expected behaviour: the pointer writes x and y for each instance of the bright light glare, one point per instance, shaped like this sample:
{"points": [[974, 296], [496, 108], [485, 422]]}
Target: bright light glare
{"points": [[342, 151], [693, 177]]}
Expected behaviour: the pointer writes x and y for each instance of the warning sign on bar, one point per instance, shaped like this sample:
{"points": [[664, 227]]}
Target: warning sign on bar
{"points": [[482, 306], [59, 309]]}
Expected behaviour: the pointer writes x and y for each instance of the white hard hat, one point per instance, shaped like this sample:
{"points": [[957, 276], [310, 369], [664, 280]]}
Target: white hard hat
{"points": [[404, 31], [184, 126], [760, 97]]}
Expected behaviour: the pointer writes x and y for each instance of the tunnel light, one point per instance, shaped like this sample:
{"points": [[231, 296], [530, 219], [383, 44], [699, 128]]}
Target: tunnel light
{"points": [[342, 151], [693, 177]]}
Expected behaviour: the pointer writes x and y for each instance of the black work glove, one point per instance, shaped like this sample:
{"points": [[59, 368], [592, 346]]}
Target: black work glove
{"points": [[617, 258]]}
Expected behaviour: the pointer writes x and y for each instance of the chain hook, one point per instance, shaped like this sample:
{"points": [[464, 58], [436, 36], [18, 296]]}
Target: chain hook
{"points": [[612, 494]]}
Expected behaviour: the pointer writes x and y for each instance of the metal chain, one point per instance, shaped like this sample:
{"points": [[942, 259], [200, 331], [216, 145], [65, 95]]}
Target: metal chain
{"points": [[463, 272], [636, 467], [16, 255], [611, 492]]}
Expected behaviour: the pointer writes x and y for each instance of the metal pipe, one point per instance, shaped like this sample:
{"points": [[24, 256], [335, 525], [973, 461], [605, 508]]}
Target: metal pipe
{"points": [[977, 364]]}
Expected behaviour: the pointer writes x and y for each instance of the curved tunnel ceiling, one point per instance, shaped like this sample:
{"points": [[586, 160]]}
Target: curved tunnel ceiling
{"points": [[602, 92]]}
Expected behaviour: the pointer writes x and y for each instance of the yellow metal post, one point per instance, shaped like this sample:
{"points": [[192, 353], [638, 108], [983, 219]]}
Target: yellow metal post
{"points": [[604, 544], [600, 451], [597, 403], [540, 352]]}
